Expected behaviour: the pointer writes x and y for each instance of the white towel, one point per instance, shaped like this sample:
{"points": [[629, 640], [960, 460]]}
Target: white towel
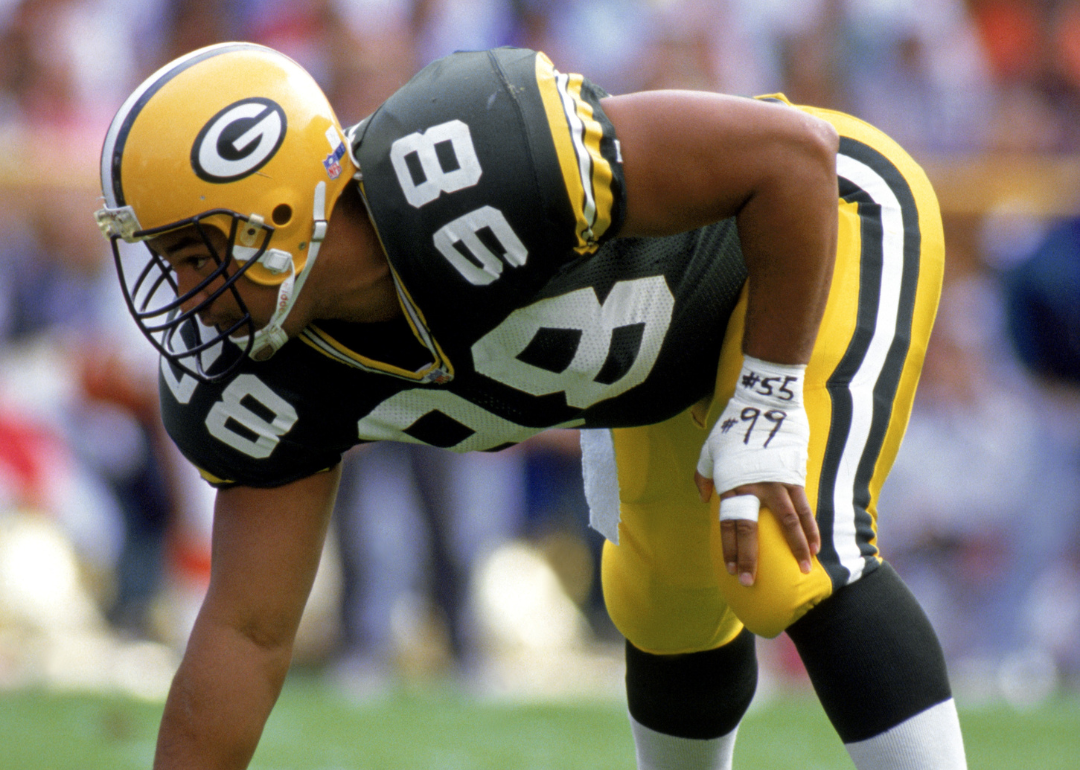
{"points": [[601, 481]]}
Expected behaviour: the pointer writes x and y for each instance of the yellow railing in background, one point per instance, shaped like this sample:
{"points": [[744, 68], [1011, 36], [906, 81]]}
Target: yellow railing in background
{"points": [[1039, 185], [967, 185]]}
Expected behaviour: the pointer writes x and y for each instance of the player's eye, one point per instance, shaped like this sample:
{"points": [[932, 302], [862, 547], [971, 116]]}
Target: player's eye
{"points": [[196, 263]]}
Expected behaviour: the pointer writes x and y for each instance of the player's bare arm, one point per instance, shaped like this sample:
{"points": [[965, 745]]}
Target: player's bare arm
{"points": [[692, 158], [266, 549]]}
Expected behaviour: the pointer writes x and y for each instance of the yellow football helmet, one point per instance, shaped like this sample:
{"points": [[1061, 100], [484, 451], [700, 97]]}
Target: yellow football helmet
{"points": [[234, 135]]}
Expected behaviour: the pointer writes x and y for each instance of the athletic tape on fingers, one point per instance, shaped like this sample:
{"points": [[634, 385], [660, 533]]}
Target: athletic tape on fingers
{"points": [[744, 507]]}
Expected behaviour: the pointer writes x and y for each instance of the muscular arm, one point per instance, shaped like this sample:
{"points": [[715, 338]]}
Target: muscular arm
{"points": [[694, 158], [266, 548], [691, 158]]}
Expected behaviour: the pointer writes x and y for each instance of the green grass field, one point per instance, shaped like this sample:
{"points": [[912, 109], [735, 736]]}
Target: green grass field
{"points": [[315, 728]]}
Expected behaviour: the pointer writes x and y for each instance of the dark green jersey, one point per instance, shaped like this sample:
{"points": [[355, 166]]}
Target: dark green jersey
{"points": [[495, 185]]}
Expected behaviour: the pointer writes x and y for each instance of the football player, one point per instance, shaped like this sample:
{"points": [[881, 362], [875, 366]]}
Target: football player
{"points": [[730, 296]]}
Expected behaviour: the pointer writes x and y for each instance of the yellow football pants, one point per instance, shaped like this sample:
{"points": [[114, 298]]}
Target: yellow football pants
{"points": [[665, 584]]}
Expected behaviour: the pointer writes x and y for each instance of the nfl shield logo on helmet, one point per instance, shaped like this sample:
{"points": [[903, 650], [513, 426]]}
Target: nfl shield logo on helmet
{"points": [[332, 162]]}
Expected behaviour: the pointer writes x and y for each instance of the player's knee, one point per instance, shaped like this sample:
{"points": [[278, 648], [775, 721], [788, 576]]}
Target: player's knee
{"points": [[769, 606], [702, 695], [660, 617]]}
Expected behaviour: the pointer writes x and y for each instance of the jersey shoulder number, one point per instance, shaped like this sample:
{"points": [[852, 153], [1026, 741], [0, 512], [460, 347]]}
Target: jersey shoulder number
{"points": [[264, 426], [490, 167]]}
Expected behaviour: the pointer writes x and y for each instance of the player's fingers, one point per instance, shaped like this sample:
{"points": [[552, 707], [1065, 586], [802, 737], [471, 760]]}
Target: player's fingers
{"points": [[739, 510], [791, 524], [729, 544], [806, 518], [747, 545]]}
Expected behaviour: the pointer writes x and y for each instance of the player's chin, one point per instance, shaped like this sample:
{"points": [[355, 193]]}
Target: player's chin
{"points": [[243, 326], [223, 324], [212, 320], [240, 333]]}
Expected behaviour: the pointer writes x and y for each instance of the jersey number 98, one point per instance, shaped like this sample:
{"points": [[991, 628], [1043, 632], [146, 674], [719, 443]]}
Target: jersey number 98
{"points": [[462, 233]]}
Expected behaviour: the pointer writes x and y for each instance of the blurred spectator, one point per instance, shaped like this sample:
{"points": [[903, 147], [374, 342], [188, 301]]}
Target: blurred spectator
{"points": [[67, 63], [58, 313], [1042, 295], [918, 71], [981, 501], [602, 39], [1043, 303], [441, 27], [412, 521], [983, 493], [59, 302], [556, 522], [191, 24], [1031, 47]]}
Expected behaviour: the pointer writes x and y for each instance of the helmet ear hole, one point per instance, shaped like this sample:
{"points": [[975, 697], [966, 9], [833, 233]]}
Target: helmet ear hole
{"points": [[282, 214]]}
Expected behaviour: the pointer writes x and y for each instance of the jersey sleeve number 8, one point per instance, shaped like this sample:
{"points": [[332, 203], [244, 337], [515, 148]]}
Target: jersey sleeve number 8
{"points": [[461, 233], [260, 434]]}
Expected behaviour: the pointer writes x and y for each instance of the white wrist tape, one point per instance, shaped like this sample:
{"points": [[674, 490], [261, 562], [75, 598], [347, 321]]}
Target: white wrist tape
{"points": [[763, 432], [745, 507]]}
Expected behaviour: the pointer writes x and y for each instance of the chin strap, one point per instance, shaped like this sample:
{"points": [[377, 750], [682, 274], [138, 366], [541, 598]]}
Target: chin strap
{"points": [[269, 339]]}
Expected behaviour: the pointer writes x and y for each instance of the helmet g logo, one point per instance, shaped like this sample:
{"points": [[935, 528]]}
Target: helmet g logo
{"points": [[239, 140]]}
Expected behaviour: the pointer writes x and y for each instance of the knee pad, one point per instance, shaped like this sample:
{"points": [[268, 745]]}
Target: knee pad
{"points": [[781, 593], [872, 656], [702, 695]]}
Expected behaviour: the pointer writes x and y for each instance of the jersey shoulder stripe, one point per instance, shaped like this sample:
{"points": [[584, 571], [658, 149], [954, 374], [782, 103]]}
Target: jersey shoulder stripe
{"points": [[578, 135], [213, 480], [438, 370], [330, 347]]}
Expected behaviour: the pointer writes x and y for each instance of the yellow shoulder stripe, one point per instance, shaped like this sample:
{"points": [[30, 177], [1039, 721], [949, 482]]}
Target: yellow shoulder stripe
{"points": [[211, 478], [577, 135], [330, 347]]}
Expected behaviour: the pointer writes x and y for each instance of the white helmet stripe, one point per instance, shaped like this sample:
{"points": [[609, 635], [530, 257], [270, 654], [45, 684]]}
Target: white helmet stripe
{"points": [[121, 123]]}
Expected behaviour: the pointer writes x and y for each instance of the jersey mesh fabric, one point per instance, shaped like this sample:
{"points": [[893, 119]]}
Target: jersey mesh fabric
{"points": [[534, 333]]}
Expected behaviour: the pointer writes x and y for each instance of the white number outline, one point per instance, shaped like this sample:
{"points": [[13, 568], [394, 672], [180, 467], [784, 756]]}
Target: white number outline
{"points": [[436, 179], [464, 230], [643, 300], [388, 421], [230, 407]]}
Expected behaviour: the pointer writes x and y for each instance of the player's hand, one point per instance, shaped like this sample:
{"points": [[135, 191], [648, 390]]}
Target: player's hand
{"points": [[756, 455], [739, 535]]}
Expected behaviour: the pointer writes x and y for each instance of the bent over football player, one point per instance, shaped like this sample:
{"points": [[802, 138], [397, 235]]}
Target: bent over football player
{"points": [[731, 297]]}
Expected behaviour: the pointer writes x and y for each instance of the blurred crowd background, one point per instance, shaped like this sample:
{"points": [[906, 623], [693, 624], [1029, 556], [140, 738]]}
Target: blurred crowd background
{"points": [[481, 568]]}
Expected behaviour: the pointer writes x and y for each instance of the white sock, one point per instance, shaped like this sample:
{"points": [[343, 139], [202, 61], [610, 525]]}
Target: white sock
{"points": [[658, 751], [930, 740]]}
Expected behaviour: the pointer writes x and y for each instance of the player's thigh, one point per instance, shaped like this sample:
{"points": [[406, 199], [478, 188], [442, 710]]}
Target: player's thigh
{"points": [[861, 379], [659, 583]]}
